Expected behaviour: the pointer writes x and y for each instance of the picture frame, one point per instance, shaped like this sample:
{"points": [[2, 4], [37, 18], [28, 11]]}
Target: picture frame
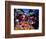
{"points": [[8, 25]]}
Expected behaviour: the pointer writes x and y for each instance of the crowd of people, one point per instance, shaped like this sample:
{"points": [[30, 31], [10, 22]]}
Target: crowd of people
{"points": [[25, 22]]}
